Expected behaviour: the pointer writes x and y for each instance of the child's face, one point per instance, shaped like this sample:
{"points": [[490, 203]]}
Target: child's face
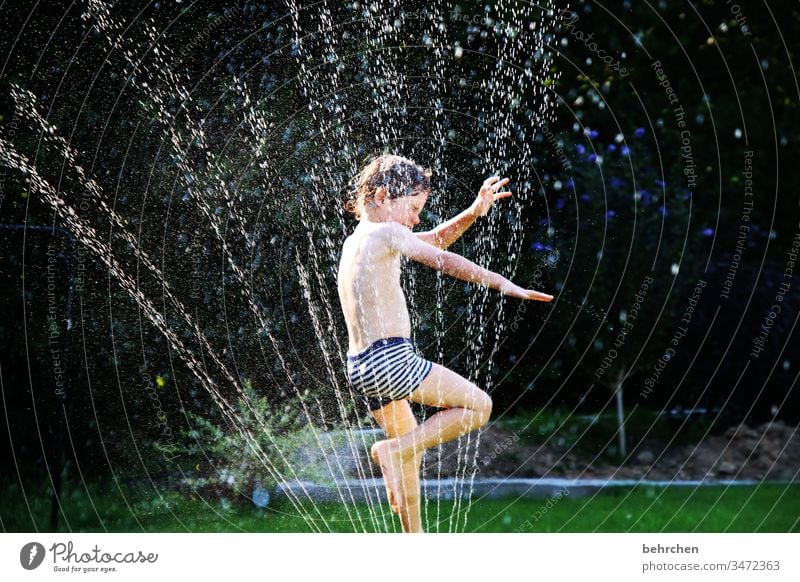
{"points": [[406, 209]]}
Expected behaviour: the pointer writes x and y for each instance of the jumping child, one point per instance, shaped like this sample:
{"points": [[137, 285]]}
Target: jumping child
{"points": [[382, 362]]}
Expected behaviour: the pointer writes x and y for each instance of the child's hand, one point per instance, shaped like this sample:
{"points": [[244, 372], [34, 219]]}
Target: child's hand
{"points": [[520, 293], [488, 194], [537, 296]]}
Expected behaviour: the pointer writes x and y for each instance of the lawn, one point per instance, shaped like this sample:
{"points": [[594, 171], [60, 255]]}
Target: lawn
{"points": [[112, 508]]}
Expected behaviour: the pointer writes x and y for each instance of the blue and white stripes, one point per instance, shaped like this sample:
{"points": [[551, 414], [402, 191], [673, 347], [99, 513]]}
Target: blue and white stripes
{"points": [[389, 368]]}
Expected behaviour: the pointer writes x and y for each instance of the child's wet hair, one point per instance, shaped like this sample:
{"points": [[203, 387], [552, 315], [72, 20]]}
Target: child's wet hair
{"points": [[400, 176]]}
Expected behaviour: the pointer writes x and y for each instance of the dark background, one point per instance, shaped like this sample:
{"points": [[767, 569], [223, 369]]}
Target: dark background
{"points": [[589, 232]]}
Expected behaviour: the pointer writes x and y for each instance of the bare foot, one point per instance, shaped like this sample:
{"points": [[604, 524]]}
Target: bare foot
{"points": [[390, 463]]}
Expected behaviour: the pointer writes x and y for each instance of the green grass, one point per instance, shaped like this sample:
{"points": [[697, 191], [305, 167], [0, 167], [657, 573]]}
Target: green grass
{"points": [[765, 508]]}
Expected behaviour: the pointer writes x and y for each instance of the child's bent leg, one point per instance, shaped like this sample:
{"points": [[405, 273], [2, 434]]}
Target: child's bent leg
{"points": [[468, 408]]}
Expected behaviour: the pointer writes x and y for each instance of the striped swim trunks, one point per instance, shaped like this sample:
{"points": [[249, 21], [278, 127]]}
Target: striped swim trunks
{"points": [[389, 369]]}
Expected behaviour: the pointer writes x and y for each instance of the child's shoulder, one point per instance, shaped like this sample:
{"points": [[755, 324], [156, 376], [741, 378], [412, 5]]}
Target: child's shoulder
{"points": [[380, 230], [377, 234]]}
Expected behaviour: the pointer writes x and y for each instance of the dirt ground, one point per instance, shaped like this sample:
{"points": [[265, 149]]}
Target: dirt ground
{"points": [[769, 451]]}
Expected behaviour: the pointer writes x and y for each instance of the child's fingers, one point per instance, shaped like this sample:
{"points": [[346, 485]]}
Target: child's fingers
{"points": [[490, 181], [501, 183], [500, 195], [536, 296]]}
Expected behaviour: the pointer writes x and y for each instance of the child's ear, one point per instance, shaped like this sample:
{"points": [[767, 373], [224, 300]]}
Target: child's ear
{"points": [[380, 195]]}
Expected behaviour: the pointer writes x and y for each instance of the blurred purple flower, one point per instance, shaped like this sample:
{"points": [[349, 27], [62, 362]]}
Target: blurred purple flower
{"points": [[662, 210], [625, 151], [708, 231], [580, 149], [559, 203], [660, 183], [585, 197], [639, 132], [616, 183], [611, 214], [612, 147], [537, 246], [593, 134], [592, 158]]}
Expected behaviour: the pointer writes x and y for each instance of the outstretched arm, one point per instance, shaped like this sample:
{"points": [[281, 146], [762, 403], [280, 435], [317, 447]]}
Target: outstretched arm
{"points": [[448, 232], [404, 242]]}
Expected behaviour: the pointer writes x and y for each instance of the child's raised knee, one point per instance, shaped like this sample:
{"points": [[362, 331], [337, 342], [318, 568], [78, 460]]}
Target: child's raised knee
{"points": [[482, 406]]}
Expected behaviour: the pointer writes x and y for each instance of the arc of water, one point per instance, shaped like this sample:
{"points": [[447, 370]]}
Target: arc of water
{"points": [[87, 235], [102, 15]]}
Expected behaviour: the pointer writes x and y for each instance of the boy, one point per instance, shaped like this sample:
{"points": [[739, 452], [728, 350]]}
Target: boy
{"points": [[382, 363]]}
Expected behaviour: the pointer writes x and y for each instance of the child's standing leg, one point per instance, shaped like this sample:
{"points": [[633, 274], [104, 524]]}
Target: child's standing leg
{"points": [[396, 420], [467, 408]]}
